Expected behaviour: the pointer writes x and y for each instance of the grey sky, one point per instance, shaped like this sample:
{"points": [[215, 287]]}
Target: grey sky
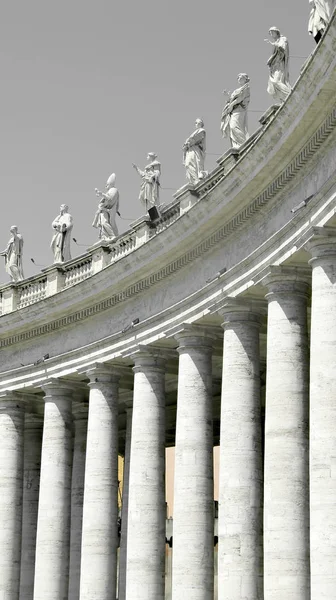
{"points": [[90, 87]]}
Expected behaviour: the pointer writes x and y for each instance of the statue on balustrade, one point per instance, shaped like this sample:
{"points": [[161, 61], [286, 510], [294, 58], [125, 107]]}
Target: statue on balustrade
{"points": [[319, 17], [150, 184], [13, 255], [60, 243], [194, 154], [108, 208], [234, 115], [278, 83]]}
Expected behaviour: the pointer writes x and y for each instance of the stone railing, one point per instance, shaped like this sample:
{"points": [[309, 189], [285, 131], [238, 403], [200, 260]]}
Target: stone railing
{"points": [[32, 291], [79, 271]]}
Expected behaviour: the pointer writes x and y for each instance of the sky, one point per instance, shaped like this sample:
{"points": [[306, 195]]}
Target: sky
{"points": [[89, 87]]}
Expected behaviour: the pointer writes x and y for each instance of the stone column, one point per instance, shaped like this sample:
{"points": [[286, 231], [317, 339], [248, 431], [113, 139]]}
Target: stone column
{"points": [[80, 416], [240, 479], [53, 522], [193, 534], [145, 574], [33, 429], [98, 579], [286, 476], [124, 507], [11, 482], [323, 416]]}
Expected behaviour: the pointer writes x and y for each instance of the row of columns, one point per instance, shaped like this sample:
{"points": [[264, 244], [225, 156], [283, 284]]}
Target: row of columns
{"points": [[277, 524]]}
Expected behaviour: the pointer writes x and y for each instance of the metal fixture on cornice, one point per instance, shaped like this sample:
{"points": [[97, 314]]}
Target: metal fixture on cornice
{"points": [[84, 245], [41, 360], [217, 276], [134, 322], [36, 265], [302, 204]]}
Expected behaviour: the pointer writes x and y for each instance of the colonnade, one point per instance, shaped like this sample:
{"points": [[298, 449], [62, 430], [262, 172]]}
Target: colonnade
{"points": [[277, 516]]}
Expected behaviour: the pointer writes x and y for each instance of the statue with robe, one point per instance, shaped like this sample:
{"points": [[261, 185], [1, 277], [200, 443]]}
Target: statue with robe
{"points": [[278, 83], [194, 154], [108, 207], [234, 115], [13, 255], [60, 243], [320, 14], [150, 185]]}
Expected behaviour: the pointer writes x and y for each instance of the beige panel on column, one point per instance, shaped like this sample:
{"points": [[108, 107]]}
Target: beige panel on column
{"points": [[31, 486], [124, 508], [100, 511], [80, 417], [240, 479], [193, 530], [146, 509], [11, 483], [323, 416], [53, 523], [286, 495]]}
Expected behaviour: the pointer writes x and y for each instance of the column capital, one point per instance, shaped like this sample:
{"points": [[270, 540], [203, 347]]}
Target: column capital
{"points": [[147, 358], [101, 373], [57, 388], [80, 411], [237, 310], [287, 280], [12, 400], [322, 244], [191, 336]]}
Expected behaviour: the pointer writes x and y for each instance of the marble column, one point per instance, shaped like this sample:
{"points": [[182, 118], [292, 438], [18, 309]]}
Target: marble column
{"points": [[33, 429], [98, 580], [80, 417], [11, 482], [286, 476], [193, 534], [53, 522], [124, 507], [240, 478], [145, 573], [323, 416]]}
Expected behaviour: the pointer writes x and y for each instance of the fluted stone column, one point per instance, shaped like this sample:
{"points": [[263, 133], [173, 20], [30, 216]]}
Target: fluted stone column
{"points": [[124, 507], [145, 573], [100, 511], [193, 534], [80, 417], [323, 417], [33, 429], [53, 522], [11, 484], [286, 477], [240, 478]]}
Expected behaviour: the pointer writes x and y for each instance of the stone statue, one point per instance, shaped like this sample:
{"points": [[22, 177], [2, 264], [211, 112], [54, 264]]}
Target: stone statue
{"points": [[319, 17], [234, 115], [278, 83], [13, 255], [60, 243], [150, 185], [108, 208], [194, 154]]}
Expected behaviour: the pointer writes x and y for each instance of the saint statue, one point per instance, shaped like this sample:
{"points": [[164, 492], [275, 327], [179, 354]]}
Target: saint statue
{"points": [[319, 17], [194, 154], [13, 255], [234, 115], [150, 184], [278, 83], [108, 208], [60, 243]]}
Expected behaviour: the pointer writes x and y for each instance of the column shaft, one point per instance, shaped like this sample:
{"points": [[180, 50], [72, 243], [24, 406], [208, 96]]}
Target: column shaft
{"points": [[124, 508], [193, 533], [11, 478], [240, 479]]}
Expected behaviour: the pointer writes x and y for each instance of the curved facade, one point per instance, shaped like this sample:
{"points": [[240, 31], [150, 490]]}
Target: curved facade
{"points": [[215, 325]]}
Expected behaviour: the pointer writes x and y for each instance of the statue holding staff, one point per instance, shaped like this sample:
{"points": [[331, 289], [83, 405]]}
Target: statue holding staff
{"points": [[278, 83], [108, 208], [13, 255], [234, 115], [194, 154], [150, 184], [319, 17], [60, 243]]}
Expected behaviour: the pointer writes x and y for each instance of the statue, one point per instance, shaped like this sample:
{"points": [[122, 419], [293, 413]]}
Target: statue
{"points": [[60, 243], [150, 185], [234, 115], [108, 208], [278, 83], [194, 154], [319, 17], [13, 255]]}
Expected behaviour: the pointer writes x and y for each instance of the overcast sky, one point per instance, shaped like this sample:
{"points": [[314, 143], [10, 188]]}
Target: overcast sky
{"points": [[87, 88]]}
